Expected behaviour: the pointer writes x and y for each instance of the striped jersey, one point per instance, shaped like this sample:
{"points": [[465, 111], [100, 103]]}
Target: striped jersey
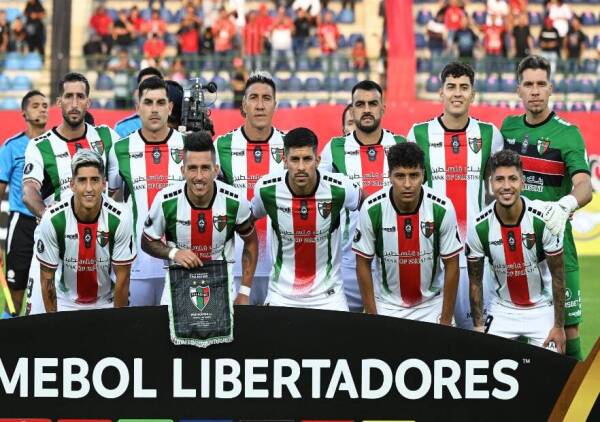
{"points": [[552, 152], [517, 254], [365, 165], [208, 232], [12, 161], [455, 162], [145, 168], [407, 246], [242, 163], [306, 232], [85, 252], [48, 158]]}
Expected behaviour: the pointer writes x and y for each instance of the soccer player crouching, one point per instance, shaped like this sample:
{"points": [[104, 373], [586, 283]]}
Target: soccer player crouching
{"points": [[199, 217], [526, 258], [304, 206], [84, 238], [408, 229]]}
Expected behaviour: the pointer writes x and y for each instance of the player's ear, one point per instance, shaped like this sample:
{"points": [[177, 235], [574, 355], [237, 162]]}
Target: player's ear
{"points": [[170, 107]]}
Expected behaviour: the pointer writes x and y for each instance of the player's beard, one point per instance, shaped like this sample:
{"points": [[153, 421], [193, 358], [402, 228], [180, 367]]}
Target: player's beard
{"points": [[73, 124], [370, 128]]}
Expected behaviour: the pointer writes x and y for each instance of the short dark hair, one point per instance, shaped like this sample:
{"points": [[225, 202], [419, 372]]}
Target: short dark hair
{"points": [[300, 137], [260, 77], [152, 84], [27, 97], [200, 141], [175, 94], [367, 85], [149, 71], [506, 158], [73, 77], [405, 154], [348, 107], [533, 62], [456, 70]]}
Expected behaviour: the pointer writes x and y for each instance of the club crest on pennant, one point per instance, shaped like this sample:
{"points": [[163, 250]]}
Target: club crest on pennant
{"points": [[528, 240], [220, 222], [177, 155], [200, 296], [277, 154], [542, 146], [475, 144], [427, 228], [98, 146], [102, 238], [324, 208]]}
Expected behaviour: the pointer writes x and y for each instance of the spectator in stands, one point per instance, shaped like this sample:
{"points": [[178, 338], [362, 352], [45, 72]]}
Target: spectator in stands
{"points": [[561, 14], [94, 51], [188, 39], [18, 36], [252, 42], [223, 32], [573, 44], [436, 34], [359, 56], [264, 22], [517, 7], [34, 26], [154, 51], [522, 39], [239, 76], [4, 32], [123, 69], [122, 30], [453, 17], [549, 41], [207, 47], [312, 7], [493, 43], [102, 24], [156, 24], [177, 72], [465, 40], [281, 40], [498, 9], [138, 27], [302, 25], [329, 36]]}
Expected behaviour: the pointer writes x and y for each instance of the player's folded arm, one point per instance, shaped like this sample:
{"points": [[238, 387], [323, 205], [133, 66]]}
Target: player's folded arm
{"points": [[246, 228]]}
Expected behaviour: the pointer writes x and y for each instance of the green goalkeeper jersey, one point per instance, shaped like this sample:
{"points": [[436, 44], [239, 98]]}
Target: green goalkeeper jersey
{"points": [[552, 152]]}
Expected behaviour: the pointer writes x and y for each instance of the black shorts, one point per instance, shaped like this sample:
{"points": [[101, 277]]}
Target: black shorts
{"points": [[19, 249]]}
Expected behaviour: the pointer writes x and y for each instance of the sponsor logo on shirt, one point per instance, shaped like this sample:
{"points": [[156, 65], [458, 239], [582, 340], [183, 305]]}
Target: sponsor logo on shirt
{"points": [[136, 155], [512, 242], [303, 210], [28, 168], [285, 210], [183, 222], [63, 155], [156, 155], [148, 222], [496, 242], [455, 144], [389, 229], [353, 152], [72, 236], [87, 237], [258, 154], [436, 144], [241, 153], [357, 236]]}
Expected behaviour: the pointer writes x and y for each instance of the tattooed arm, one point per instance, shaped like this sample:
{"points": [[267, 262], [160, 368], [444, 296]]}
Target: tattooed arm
{"points": [[475, 267], [249, 259], [557, 333], [48, 288]]}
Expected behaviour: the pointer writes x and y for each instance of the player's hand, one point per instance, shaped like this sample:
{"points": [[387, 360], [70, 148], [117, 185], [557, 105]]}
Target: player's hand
{"points": [[187, 259], [479, 328], [557, 213], [558, 337], [241, 299]]}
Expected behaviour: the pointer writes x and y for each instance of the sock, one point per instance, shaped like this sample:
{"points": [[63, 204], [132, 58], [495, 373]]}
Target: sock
{"points": [[574, 348]]}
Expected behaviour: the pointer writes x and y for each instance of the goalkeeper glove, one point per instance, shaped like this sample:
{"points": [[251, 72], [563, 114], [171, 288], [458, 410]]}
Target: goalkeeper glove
{"points": [[557, 213]]}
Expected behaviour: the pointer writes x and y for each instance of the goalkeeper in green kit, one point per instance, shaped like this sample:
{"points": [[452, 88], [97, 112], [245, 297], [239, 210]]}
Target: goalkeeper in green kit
{"points": [[556, 169]]}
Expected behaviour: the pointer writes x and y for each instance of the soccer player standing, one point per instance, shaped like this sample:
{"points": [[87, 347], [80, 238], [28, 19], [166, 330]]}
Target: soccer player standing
{"points": [[556, 168], [199, 217], [84, 237], [47, 171], [360, 155], [21, 224], [410, 230], [305, 209], [248, 153], [526, 258], [147, 161], [457, 148]]}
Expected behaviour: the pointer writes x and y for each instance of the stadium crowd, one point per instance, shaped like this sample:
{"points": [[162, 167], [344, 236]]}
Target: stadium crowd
{"points": [[24, 32]]}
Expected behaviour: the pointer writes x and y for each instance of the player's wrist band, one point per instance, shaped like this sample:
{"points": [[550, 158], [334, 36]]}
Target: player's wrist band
{"points": [[172, 253], [244, 290]]}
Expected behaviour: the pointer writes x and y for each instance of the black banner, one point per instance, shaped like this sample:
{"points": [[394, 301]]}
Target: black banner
{"points": [[284, 363]]}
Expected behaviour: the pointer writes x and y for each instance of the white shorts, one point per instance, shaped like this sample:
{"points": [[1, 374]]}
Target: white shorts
{"points": [[335, 301], [431, 311], [534, 324], [145, 291]]}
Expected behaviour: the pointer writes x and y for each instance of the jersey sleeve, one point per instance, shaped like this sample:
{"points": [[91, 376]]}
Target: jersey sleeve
{"points": [[411, 135], [124, 251], [363, 243], [46, 247], [155, 224], [6, 165], [497, 140], [34, 164], [552, 244], [243, 213], [473, 248], [575, 154], [326, 163], [114, 178], [450, 244], [352, 199]]}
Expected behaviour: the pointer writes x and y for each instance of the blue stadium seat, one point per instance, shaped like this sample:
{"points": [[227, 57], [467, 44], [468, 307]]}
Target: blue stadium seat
{"points": [[578, 106], [433, 84], [13, 62], [348, 83], [222, 84], [424, 16], [284, 104], [344, 64], [145, 14], [589, 66], [480, 85], [294, 84], [588, 19], [493, 84], [303, 103], [420, 41], [110, 104], [170, 39], [114, 15], [280, 84], [353, 38], [423, 64], [315, 63], [345, 16], [104, 83], [331, 83], [586, 86], [559, 106], [9, 104], [226, 105], [4, 83], [21, 83], [312, 84], [12, 13], [508, 85], [166, 15], [95, 104], [32, 61], [313, 41], [595, 106], [302, 64], [479, 17], [535, 18], [595, 41], [503, 104]]}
